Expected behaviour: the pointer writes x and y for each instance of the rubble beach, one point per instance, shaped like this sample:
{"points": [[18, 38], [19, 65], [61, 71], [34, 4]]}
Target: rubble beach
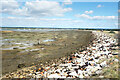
{"points": [[88, 63]]}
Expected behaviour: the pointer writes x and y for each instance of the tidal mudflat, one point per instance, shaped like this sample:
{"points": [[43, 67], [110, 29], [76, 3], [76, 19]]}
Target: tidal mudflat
{"points": [[23, 49]]}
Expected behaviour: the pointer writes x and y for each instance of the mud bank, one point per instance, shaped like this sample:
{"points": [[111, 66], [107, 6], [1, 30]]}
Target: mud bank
{"points": [[24, 49]]}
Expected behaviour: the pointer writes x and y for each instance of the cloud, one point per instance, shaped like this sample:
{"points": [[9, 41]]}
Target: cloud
{"points": [[77, 21], [39, 22], [95, 17], [89, 12], [82, 16], [67, 2], [99, 6], [36, 8], [11, 17], [117, 24], [54, 19], [56, 22], [42, 19], [8, 5]]}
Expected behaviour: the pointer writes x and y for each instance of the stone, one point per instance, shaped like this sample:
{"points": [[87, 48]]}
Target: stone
{"points": [[21, 65]]}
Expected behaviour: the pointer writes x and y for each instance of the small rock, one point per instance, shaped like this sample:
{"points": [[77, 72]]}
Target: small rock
{"points": [[15, 47], [21, 65], [115, 54], [116, 60], [101, 76]]}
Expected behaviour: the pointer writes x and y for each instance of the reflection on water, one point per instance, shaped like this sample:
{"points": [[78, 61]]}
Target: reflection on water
{"points": [[48, 40], [31, 30], [19, 44], [10, 48], [24, 44]]}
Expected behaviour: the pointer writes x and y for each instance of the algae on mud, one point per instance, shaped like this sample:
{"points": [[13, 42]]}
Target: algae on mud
{"points": [[37, 50]]}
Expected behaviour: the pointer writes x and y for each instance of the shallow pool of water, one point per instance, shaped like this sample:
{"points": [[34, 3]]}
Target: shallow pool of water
{"points": [[48, 40]]}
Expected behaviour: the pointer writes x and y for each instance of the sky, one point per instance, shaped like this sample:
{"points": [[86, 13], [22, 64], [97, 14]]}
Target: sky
{"points": [[60, 14]]}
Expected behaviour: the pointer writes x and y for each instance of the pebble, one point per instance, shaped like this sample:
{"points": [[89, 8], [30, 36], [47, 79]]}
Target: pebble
{"points": [[116, 60], [101, 76]]}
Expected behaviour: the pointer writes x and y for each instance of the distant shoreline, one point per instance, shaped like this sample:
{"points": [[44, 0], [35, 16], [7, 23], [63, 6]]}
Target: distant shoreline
{"points": [[60, 28]]}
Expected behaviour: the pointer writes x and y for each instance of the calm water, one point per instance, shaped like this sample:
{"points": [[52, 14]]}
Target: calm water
{"points": [[32, 30]]}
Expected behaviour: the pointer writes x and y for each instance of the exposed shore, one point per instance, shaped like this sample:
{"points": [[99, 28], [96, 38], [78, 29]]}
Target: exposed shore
{"points": [[100, 59], [25, 49]]}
